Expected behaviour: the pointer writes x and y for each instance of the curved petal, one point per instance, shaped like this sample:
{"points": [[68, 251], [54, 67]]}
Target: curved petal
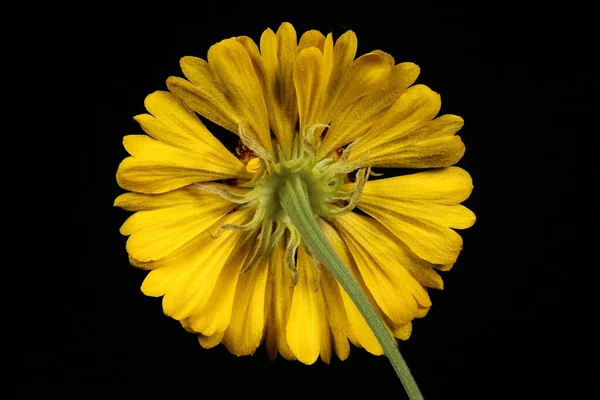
{"points": [[436, 153], [408, 136], [420, 209], [276, 61], [310, 83], [375, 251], [340, 58], [208, 342], [336, 315], [278, 302], [190, 275], [172, 122], [328, 79], [312, 38], [418, 104], [403, 332], [361, 77], [169, 220], [353, 121], [232, 66], [225, 90], [179, 151], [307, 329], [245, 332], [214, 315], [203, 93]]}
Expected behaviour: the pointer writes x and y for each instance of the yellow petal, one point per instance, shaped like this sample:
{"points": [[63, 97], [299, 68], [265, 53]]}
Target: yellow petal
{"points": [[186, 326], [374, 250], [144, 202], [307, 328], [214, 315], [278, 302], [312, 38], [418, 104], [364, 75], [204, 94], [343, 55], [407, 137], [336, 314], [178, 217], [287, 52], [225, 90], [422, 312], [359, 331], [358, 117], [170, 121], [182, 151], [327, 79], [436, 153], [421, 208], [187, 276], [445, 267], [310, 84], [403, 332], [277, 57], [245, 331], [208, 342], [232, 66]]}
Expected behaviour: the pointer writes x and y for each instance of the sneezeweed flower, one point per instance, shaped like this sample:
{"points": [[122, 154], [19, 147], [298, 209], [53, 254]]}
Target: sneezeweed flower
{"points": [[266, 245]]}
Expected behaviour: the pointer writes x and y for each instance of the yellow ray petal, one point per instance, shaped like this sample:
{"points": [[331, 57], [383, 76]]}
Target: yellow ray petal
{"points": [[170, 121], [435, 153], [336, 314], [232, 66], [328, 79], [359, 331], [358, 117], [144, 202], [416, 105], [421, 208], [312, 38], [307, 328], [310, 84], [208, 342], [276, 60], [188, 275], [407, 137], [364, 75], [177, 217], [225, 90], [422, 312], [182, 151], [203, 93], [343, 55], [214, 315], [186, 326], [245, 331], [373, 248], [403, 332], [278, 302]]}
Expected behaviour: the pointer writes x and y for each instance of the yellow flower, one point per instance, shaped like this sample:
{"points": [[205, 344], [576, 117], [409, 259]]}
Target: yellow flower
{"points": [[218, 232]]}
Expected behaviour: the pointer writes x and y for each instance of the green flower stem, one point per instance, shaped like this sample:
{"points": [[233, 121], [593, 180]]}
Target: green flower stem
{"points": [[295, 201]]}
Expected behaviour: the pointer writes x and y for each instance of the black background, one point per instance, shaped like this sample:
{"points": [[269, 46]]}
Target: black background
{"points": [[505, 326]]}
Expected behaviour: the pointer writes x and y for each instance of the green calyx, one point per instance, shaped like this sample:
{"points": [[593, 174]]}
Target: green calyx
{"points": [[327, 184]]}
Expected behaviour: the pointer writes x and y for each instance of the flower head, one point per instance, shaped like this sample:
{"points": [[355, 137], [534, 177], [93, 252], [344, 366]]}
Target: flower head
{"points": [[218, 233]]}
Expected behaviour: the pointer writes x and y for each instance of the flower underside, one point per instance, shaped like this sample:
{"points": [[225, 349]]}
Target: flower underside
{"points": [[325, 181], [235, 245]]}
